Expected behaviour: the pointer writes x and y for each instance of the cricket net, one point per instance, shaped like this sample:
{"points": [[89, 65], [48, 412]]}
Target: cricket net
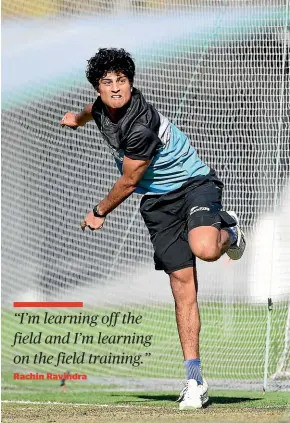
{"points": [[220, 71]]}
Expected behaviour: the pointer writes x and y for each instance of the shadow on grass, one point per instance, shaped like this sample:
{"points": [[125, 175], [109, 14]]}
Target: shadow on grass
{"points": [[231, 400], [212, 400]]}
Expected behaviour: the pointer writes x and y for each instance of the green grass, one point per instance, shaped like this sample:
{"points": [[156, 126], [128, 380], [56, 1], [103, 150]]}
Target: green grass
{"points": [[232, 343], [229, 399]]}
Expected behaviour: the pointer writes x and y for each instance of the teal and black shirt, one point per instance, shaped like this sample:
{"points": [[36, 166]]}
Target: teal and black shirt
{"points": [[144, 134]]}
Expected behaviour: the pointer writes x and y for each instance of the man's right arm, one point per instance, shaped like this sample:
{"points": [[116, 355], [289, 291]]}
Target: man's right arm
{"points": [[74, 120]]}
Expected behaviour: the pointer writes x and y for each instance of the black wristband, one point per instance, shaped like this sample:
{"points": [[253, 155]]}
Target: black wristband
{"points": [[96, 213]]}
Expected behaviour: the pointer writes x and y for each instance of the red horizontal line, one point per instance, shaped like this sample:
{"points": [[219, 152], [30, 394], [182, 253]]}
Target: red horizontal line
{"points": [[48, 304]]}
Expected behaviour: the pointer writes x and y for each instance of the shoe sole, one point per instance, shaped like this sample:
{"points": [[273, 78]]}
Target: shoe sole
{"points": [[190, 407], [236, 252]]}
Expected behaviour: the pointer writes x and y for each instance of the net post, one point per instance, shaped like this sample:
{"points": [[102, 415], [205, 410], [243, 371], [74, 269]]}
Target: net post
{"points": [[268, 337]]}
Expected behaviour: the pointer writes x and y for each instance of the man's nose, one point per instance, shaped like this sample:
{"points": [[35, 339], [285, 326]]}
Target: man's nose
{"points": [[115, 87]]}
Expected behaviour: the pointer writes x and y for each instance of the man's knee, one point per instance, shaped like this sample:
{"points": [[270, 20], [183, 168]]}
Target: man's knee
{"points": [[184, 285], [204, 244], [206, 251], [183, 277]]}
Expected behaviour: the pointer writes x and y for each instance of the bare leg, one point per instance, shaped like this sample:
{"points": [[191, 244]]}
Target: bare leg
{"points": [[184, 288], [208, 243]]}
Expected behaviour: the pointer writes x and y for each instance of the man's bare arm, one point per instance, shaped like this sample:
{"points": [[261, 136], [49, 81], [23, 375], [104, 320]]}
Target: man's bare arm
{"points": [[74, 120], [133, 171]]}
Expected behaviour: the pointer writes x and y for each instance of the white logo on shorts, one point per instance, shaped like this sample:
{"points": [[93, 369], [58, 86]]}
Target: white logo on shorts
{"points": [[197, 208]]}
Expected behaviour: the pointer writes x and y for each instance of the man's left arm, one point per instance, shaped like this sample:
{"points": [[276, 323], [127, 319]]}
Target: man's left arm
{"points": [[133, 171]]}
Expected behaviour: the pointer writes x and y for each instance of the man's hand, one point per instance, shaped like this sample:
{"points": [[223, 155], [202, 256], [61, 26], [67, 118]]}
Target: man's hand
{"points": [[92, 222], [133, 170], [70, 120], [74, 120]]}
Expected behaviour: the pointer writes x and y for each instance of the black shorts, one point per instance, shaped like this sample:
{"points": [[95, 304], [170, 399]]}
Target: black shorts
{"points": [[169, 218]]}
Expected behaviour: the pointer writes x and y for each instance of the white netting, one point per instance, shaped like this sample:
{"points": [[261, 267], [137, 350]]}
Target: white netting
{"points": [[220, 70]]}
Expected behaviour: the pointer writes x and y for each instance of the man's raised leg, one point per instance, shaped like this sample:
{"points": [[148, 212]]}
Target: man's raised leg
{"points": [[209, 243]]}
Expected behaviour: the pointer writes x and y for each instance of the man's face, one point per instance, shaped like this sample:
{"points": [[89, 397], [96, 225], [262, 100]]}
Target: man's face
{"points": [[115, 90]]}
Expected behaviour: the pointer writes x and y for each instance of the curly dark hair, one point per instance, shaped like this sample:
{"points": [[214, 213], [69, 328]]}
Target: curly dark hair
{"points": [[109, 60]]}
